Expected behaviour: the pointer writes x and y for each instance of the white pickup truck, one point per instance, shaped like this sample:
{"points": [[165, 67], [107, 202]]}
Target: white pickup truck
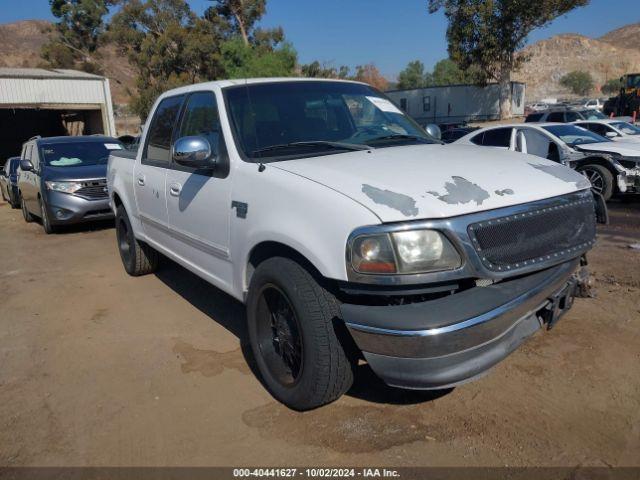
{"points": [[350, 233]]}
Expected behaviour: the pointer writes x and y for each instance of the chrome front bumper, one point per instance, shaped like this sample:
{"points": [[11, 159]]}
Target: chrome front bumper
{"points": [[451, 340]]}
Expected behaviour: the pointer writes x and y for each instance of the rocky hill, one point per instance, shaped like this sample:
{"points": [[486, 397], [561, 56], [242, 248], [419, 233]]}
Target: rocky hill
{"points": [[608, 57], [21, 44]]}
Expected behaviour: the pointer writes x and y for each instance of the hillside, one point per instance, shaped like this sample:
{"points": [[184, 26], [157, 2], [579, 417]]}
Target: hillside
{"points": [[23, 40], [607, 57]]}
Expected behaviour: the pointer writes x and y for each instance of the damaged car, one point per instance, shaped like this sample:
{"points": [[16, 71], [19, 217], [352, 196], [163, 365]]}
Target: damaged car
{"points": [[350, 234], [613, 168]]}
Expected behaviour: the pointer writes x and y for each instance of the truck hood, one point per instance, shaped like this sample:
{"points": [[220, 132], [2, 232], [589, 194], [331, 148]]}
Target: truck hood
{"points": [[437, 181], [86, 172], [623, 148]]}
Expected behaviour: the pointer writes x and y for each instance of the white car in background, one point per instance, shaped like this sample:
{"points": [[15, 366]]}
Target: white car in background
{"points": [[611, 167], [594, 103], [616, 130]]}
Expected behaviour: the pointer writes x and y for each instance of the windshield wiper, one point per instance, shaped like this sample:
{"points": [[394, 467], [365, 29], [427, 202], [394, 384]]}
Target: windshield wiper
{"points": [[399, 136], [313, 143]]}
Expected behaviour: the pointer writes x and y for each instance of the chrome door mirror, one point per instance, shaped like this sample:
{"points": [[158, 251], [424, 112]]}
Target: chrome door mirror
{"points": [[434, 130], [611, 134], [194, 152], [26, 165]]}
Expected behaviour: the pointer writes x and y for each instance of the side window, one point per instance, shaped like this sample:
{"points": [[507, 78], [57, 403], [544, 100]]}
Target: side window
{"points": [[537, 143], [596, 128], [533, 117], [477, 139], [158, 148], [556, 117], [426, 104], [572, 116], [201, 119], [498, 137], [403, 105]]}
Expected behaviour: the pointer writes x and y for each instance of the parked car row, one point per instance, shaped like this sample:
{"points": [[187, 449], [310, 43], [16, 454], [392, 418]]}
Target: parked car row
{"points": [[348, 230], [61, 180], [612, 167]]}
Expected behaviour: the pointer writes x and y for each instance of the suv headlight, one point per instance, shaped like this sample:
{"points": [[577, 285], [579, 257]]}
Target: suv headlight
{"points": [[411, 251], [65, 187]]}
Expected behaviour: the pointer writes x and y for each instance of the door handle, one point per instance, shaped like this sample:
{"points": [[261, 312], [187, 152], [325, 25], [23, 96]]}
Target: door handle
{"points": [[141, 181], [175, 189]]}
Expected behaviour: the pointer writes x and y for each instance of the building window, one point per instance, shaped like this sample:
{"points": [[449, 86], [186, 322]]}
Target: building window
{"points": [[426, 104], [403, 104]]}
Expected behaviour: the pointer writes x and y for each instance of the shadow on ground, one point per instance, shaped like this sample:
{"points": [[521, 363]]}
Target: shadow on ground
{"points": [[230, 313]]}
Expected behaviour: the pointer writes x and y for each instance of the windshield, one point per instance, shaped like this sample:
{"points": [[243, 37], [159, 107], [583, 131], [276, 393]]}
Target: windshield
{"points": [[78, 153], [592, 114], [284, 120], [625, 127], [574, 135]]}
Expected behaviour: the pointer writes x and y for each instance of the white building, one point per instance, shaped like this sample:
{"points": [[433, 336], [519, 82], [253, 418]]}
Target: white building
{"points": [[456, 103], [49, 103]]}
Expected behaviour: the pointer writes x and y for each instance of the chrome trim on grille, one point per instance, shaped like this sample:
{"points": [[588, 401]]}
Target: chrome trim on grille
{"points": [[456, 231]]}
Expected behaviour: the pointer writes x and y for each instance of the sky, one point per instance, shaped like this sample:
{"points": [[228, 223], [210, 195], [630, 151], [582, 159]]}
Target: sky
{"points": [[389, 34]]}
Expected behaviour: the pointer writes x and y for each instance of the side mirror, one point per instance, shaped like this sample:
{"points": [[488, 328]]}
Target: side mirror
{"points": [[611, 134], [26, 165], [434, 130], [194, 152]]}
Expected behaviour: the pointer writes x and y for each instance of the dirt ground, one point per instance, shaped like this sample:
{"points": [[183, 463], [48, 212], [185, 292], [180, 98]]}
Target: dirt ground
{"points": [[101, 369]]}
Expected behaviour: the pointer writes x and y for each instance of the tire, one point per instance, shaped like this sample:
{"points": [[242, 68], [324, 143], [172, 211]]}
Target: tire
{"points": [[323, 372], [25, 211], [137, 257], [46, 221], [601, 179], [13, 201]]}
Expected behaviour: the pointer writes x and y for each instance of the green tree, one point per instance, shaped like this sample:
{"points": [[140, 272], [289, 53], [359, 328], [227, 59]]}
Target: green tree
{"points": [[241, 15], [168, 45], [244, 61], [579, 82], [487, 34], [447, 72], [611, 87], [317, 70], [413, 76], [74, 38]]}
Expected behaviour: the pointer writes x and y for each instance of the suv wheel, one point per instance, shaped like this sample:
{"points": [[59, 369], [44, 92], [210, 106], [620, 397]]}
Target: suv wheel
{"points": [[25, 211], [291, 330], [137, 257], [46, 221], [601, 179]]}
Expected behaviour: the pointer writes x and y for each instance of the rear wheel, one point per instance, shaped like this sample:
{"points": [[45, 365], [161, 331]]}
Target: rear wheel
{"points": [[291, 330], [137, 257], [601, 179], [25, 211]]}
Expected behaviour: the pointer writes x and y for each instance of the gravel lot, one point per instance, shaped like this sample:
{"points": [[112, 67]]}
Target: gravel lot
{"points": [[97, 368]]}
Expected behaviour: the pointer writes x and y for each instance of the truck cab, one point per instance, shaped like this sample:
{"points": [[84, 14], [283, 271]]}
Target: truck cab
{"points": [[350, 233]]}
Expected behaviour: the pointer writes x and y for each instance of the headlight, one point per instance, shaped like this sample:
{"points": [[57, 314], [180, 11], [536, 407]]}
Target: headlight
{"points": [[65, 187], [412, 251]]}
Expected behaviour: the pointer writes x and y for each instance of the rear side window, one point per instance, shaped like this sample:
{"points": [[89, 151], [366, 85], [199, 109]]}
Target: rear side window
{"points": [[556, 117], [534, 117], [573, 116], [498, 137], [158, 148], [596, 128]]}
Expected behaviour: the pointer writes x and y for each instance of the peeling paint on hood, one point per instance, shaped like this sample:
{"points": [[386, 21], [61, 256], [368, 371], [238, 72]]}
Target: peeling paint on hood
{"points": [[461, 190], [435, 181]]}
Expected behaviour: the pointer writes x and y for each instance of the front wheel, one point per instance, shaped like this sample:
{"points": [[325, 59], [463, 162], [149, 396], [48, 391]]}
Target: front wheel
{"points": [[46, 221], [601, 179], [291, 329], [25, 211], [137, 257]]}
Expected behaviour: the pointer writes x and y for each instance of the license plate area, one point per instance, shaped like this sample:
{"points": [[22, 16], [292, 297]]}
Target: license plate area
{"points": [[559, 304]]}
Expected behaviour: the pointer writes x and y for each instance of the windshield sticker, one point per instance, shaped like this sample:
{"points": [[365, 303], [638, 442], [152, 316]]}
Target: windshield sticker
{"points": [[112, 146], [65, 162], [384, 105]]}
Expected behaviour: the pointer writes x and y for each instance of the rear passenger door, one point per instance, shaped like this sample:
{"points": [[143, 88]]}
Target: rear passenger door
{"points": [[199, 201], [151, 173], [29, 183]]}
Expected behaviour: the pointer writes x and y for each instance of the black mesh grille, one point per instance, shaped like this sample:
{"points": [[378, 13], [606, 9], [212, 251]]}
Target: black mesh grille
{"points": [[554, 232], [93, 190]]}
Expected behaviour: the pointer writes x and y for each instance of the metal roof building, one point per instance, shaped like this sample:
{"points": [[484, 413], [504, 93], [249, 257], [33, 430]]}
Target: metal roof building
{"points": [[43, 102], [457, 103]]}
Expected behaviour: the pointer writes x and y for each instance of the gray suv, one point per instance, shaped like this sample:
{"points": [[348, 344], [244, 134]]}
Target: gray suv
{"points": [[62, 180]]}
